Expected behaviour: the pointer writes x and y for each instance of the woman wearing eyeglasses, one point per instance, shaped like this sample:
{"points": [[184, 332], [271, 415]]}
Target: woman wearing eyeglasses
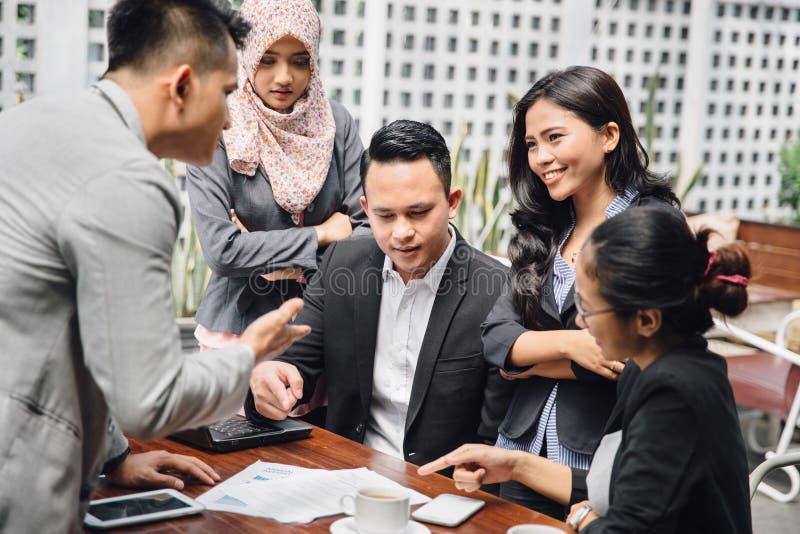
{"points": [[574, 161], [672, 458]]}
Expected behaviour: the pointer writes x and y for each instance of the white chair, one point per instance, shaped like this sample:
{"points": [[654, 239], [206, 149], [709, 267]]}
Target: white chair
{"points": [[786, 460], [781, 456]]}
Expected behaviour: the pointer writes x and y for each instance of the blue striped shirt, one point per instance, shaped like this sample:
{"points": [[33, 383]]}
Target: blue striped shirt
{"points": [[563, 279]]}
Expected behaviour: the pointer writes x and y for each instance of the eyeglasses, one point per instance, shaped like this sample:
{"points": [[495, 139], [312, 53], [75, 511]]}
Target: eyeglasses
{"points": [[586, 314]]}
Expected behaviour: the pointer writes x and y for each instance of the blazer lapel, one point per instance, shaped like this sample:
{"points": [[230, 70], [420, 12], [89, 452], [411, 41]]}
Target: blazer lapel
{"points": [[444, 308], [569, 305], [548, 303], [369, 285]]}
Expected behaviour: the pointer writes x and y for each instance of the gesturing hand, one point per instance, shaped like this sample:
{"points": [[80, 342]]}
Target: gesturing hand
{"points": [[161, 469], [475, 465], [271, 334]]}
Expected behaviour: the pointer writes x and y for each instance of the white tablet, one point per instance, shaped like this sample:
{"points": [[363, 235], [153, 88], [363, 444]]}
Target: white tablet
{"points": [[140, 508]]}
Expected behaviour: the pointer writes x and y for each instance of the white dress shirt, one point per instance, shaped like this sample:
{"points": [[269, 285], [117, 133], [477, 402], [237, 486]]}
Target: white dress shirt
{"points": [[402, 323]]}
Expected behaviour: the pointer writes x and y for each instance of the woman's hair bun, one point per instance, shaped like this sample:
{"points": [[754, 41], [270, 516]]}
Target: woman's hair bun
{"points": [[723, 280]]}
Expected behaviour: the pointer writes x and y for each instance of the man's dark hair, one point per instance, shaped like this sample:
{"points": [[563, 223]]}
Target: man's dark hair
{"points": [[147, 34], [408, 141]]}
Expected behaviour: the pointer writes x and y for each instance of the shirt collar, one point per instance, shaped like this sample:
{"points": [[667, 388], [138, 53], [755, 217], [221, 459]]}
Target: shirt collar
{"points": [[434, 276], [620, 203], [123, 105]]}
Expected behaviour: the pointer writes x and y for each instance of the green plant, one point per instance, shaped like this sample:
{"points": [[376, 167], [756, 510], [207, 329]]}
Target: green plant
{"points": [[189, 271], [482, 217], [681, 184], [789, 194]]}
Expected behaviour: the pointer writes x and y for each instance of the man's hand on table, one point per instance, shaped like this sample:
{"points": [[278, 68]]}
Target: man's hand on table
{"points": [[161, 469], [276, 386]]}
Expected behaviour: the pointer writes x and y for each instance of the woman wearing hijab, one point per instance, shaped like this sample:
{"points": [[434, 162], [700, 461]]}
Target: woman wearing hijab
{"points": [[284, 182]]}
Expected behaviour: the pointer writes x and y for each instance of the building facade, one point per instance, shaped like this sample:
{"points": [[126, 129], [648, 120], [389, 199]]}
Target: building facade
{"points": [[726, 75], [726, 72], [50, 46]]}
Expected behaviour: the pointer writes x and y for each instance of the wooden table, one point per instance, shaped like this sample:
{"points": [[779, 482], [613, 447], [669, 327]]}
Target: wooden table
{"points": [[323, 450]]}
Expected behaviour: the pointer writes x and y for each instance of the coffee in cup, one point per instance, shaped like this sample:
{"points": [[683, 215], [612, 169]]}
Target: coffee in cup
{"points": [[378, 510]]}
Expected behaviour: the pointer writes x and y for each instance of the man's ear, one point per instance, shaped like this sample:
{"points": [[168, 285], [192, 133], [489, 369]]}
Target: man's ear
{"points": [[363, 201], [180, 84], [648, 322], [453, 201]]}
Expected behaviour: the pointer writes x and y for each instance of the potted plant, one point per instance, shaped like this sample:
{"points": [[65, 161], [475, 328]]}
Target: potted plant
{"points": [[189, 271], [482, 217]]}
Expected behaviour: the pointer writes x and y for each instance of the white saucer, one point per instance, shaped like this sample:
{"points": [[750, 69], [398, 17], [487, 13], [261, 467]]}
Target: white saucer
{"points": [[347, 525]]}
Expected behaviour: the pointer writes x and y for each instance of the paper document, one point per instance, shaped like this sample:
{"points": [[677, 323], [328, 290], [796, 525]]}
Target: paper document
{"points": [[292, 494], [217, 498]]}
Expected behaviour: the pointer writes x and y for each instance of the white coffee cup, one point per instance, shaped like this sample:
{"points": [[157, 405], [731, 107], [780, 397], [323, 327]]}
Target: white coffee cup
{"points": [[533, 529], [378, 510]]}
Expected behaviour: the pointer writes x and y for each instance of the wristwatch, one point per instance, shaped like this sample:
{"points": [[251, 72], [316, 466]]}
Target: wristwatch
{"points": [[575, 519], [112, 465]]}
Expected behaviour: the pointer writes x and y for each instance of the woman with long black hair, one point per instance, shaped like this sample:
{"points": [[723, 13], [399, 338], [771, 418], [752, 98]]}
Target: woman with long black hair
{"points": [[574, 161]]}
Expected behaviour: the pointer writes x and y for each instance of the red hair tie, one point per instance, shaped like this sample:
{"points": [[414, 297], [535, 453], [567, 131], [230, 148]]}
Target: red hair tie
{"points": [[736, 279], [712, 256]]}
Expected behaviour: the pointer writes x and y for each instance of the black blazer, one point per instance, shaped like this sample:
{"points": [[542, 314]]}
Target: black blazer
{"points": [[456, 398], [681, 466], [584, 404]]}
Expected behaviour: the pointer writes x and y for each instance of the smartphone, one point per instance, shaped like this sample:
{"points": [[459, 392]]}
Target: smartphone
{"points": [[448, 510], [140, 508]]}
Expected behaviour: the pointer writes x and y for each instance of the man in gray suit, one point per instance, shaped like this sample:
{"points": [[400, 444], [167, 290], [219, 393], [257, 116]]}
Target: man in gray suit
{"points": [[88, 219]]}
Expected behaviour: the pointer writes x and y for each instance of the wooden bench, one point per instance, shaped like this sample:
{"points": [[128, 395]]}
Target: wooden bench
{"points": [[762, 381]]}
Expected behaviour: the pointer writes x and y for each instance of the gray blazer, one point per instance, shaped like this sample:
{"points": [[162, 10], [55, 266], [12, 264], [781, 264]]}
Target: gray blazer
{"points": [[88, 219], [236, 295]]}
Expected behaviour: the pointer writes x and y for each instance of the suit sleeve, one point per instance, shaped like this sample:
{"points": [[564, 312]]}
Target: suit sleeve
{"points": [[496, 398], [352, 173], [230, 252], [117, 446], [500, 331], [497, 392], [116, 236], [655, 469], [307, 353]]}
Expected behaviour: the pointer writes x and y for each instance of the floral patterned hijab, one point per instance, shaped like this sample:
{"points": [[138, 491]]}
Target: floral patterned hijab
{"points": [[294, 148]]}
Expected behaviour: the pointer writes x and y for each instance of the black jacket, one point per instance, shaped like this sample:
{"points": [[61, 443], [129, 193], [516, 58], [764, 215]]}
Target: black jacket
{"points": [[456, 397], [681, 466], [584, 404]]}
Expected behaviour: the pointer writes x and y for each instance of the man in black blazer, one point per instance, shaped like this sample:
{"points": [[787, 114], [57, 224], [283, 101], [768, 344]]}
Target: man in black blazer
{"points": [[395, 319]]}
